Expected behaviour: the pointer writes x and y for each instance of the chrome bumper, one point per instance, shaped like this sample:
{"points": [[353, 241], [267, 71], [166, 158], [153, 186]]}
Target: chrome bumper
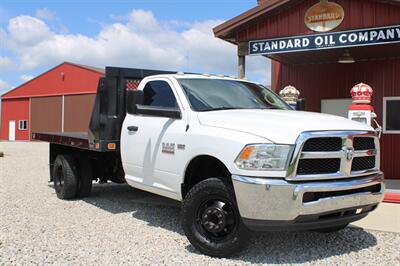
{"points": [[280, 200]]}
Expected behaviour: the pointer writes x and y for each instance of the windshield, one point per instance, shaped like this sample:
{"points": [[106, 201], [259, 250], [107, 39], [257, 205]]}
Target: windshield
{"points": [[219, 94]]}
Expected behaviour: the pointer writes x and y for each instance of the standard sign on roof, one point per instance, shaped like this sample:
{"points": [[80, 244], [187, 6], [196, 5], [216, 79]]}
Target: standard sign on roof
{"points": [[362, 37], [324, 16]]}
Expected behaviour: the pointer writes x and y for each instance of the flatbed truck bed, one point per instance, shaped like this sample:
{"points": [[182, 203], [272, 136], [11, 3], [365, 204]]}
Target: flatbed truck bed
{"points": [[97, 151], [73, 139]]}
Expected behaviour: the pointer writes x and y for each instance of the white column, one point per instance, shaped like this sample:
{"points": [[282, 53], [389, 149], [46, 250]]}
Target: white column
{"points": [[241, 66], [243, 50]]}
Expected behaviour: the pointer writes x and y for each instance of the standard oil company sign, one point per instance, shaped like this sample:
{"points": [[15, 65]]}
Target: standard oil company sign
{"points": [[360, 37]]}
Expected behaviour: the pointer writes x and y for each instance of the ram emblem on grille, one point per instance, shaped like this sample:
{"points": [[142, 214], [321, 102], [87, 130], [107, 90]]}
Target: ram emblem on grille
{"points": [[349, 153]]}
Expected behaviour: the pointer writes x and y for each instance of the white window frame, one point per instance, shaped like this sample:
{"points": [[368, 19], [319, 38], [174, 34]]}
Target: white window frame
{"points": [[19, 124], [385, 99]]}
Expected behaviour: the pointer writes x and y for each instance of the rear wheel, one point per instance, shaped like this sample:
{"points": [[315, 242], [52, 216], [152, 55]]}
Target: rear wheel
{"points": [[211, 219], [65, 176], [331, 229]]}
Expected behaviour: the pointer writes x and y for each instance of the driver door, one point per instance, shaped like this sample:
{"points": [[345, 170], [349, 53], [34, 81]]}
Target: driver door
{"points": [[149, 143]]}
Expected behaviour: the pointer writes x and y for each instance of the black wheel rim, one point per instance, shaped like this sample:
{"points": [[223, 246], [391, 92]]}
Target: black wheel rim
{"points": [[217, 219], [59, 178]]}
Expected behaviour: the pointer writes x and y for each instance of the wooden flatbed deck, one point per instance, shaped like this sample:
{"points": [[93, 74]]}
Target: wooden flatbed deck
{"points": [[72, 139]]}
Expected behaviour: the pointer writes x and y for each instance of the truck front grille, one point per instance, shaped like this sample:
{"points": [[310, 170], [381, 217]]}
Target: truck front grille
{"points": [[318, 166], [363, 163], [340, 155], [362, 143], [323, 144]]}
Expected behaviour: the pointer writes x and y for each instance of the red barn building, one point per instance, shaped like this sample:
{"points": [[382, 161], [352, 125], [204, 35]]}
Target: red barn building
{"points": [[60, 99], [310, 40]]}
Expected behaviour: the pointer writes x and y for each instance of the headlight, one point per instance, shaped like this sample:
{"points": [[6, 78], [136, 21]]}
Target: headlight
{"points": [[264, 157]]}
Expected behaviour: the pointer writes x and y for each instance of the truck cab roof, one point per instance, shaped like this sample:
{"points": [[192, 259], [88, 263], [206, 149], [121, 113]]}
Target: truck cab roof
{"points": [[197, 76]]}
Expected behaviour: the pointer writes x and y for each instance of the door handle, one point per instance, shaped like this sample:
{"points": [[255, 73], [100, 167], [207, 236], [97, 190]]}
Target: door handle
{"points": [[133, 128]]}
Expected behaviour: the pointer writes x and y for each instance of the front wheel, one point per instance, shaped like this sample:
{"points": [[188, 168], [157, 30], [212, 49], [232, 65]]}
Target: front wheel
{"points": [[211, 219]]}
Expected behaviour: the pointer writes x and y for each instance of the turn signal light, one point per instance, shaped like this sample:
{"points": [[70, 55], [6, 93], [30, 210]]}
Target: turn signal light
{"points": [[246, 153]]}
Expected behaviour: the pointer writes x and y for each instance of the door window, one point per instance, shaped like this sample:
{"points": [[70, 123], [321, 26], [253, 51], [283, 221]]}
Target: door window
{"points": [[159, 93]]}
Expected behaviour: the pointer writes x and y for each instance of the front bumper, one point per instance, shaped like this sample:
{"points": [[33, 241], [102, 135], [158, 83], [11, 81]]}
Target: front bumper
{"points": [[266, 204]]}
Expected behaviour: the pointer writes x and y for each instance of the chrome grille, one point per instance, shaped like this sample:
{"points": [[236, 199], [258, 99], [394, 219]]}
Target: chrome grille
{"points": [[318, 166], [361, 144], [323, 144], [363, 163], [332, 155]]}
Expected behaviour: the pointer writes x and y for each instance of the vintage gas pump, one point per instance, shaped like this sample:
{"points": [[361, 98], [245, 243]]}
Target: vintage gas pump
{"points": [[361, 110]]}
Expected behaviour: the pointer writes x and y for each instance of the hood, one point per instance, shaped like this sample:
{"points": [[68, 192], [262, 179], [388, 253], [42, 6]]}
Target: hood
{"points": [[278, 126]]}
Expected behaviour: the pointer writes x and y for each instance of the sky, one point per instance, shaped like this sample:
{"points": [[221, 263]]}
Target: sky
{"points": [[158, 34]]}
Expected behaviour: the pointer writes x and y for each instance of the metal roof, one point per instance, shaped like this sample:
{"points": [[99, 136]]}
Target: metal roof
{"points": [[96, 69], [90, 68]]}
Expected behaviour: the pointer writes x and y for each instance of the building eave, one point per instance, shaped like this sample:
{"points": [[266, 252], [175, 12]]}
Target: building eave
{"points": [[224, 31], [228, 29]]}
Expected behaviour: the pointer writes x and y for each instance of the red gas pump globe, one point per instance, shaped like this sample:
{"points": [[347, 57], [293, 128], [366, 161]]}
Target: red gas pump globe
{"points": [[361, 93], [361, 110]]}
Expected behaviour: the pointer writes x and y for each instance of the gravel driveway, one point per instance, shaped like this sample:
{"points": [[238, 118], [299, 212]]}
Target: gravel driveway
{"points": [[122, 225]]}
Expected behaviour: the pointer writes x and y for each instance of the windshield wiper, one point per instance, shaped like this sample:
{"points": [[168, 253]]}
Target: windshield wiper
{"points": [[221, 108], [267, 108], [239, 108]]}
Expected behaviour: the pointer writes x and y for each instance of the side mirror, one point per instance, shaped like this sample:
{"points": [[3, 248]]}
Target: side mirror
{"points": [[133, 98], [159, 111], [301, 105]]}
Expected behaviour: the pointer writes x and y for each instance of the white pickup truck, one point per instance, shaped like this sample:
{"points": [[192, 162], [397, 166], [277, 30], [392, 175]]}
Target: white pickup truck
{"points": [[232, 151]]}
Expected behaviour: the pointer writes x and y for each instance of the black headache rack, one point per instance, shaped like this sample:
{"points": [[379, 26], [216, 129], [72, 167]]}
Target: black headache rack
{"points": [[108, 113]]}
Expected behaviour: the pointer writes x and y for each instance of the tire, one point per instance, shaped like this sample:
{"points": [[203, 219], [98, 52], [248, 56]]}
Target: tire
{"points": [[85, 179], [211, 220], [330, 229], [65, 176]]}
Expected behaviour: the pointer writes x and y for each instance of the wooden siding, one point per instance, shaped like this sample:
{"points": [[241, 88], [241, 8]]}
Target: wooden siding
{"points": [[289, 22]]}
